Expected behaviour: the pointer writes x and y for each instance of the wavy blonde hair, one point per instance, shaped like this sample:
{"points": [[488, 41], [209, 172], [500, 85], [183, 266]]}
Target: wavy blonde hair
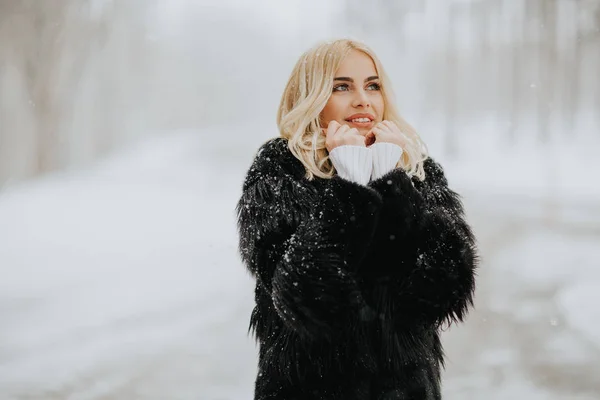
{"points": [[305, 96]]}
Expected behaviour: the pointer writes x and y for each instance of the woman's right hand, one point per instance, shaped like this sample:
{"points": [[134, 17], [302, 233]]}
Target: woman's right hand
{"points": [[340, 135]]}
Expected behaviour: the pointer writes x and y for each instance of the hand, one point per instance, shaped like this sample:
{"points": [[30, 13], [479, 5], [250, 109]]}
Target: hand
{"points": [[340, 135], [386, 132]]}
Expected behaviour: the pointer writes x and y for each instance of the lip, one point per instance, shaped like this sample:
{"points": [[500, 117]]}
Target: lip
{"points": [[361, 125], [362, 115]]}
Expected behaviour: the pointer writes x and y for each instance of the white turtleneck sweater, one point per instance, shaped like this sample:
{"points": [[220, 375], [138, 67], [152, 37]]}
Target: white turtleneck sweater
{"points": [[361, 164]]}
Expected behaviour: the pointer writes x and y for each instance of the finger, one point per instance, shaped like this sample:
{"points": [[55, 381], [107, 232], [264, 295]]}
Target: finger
{"points": [[337, 137], [332, 127], [395, 130], [377, 130], [354, 131], [342, 130], [383, 126], [392, 136], [330, 140], [391, 125], [382, 134]]}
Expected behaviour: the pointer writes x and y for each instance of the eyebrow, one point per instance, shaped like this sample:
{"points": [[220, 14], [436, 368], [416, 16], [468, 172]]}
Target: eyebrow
{"points": [[346, 79]]}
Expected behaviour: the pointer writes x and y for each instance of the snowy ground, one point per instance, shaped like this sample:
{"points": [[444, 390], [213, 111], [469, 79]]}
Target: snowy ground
{"points": [[123, 282]]}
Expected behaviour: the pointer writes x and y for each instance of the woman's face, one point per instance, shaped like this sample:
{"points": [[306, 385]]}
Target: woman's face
{"points": [[356, 100]]}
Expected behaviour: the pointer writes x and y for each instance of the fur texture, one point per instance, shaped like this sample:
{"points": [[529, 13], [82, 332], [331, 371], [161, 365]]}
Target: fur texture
{"points": [[352, 282]]}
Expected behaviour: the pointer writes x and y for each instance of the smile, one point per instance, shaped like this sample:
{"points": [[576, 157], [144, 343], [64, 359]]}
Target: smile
{"points": [[361, 120]]}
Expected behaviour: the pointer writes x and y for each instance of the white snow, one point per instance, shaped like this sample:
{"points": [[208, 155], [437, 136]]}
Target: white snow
{"points": [[108, 268], [579, 303]]}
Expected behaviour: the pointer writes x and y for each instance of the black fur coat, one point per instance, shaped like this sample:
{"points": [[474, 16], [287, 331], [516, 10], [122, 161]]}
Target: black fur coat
{"points": [[352, 282]]}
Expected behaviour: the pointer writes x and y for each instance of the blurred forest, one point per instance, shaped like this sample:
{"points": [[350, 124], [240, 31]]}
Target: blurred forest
{"points": [[528, 68], [79, 78]]}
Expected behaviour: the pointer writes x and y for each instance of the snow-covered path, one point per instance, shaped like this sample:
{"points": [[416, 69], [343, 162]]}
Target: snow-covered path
{"points": [[123, 282], [535, 331]]}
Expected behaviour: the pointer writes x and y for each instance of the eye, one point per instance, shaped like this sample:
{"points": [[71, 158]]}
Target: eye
{"points": [[374, 86], [341, 88]]}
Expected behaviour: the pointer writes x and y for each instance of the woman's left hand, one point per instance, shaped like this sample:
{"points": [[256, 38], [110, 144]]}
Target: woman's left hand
{"points": [[386, 132]]}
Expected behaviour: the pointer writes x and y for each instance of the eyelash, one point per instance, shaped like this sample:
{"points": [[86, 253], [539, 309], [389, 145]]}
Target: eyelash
{"points": [[345, 85]]}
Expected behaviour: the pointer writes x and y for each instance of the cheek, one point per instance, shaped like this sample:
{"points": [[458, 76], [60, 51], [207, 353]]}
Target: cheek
{"points": [[331, 110]]}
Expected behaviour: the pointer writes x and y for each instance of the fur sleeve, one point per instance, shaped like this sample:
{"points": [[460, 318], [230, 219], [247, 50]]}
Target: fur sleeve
{"points": [[425, 247], [303, 240]]}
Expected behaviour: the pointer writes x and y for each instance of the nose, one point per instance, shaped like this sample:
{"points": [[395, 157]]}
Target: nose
{"points": [[361, 99]]}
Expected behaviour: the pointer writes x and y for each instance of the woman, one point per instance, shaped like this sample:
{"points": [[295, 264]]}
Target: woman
{"points": [[359, 249]]}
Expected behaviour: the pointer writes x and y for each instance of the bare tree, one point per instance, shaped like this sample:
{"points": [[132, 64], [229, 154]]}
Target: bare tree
{"points": [[450, 85], [547, 66], [49, 44], [514, 79]]}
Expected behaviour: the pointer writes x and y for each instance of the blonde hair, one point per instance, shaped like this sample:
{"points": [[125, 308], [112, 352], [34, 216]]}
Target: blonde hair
{"points": [[306, 95]]}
